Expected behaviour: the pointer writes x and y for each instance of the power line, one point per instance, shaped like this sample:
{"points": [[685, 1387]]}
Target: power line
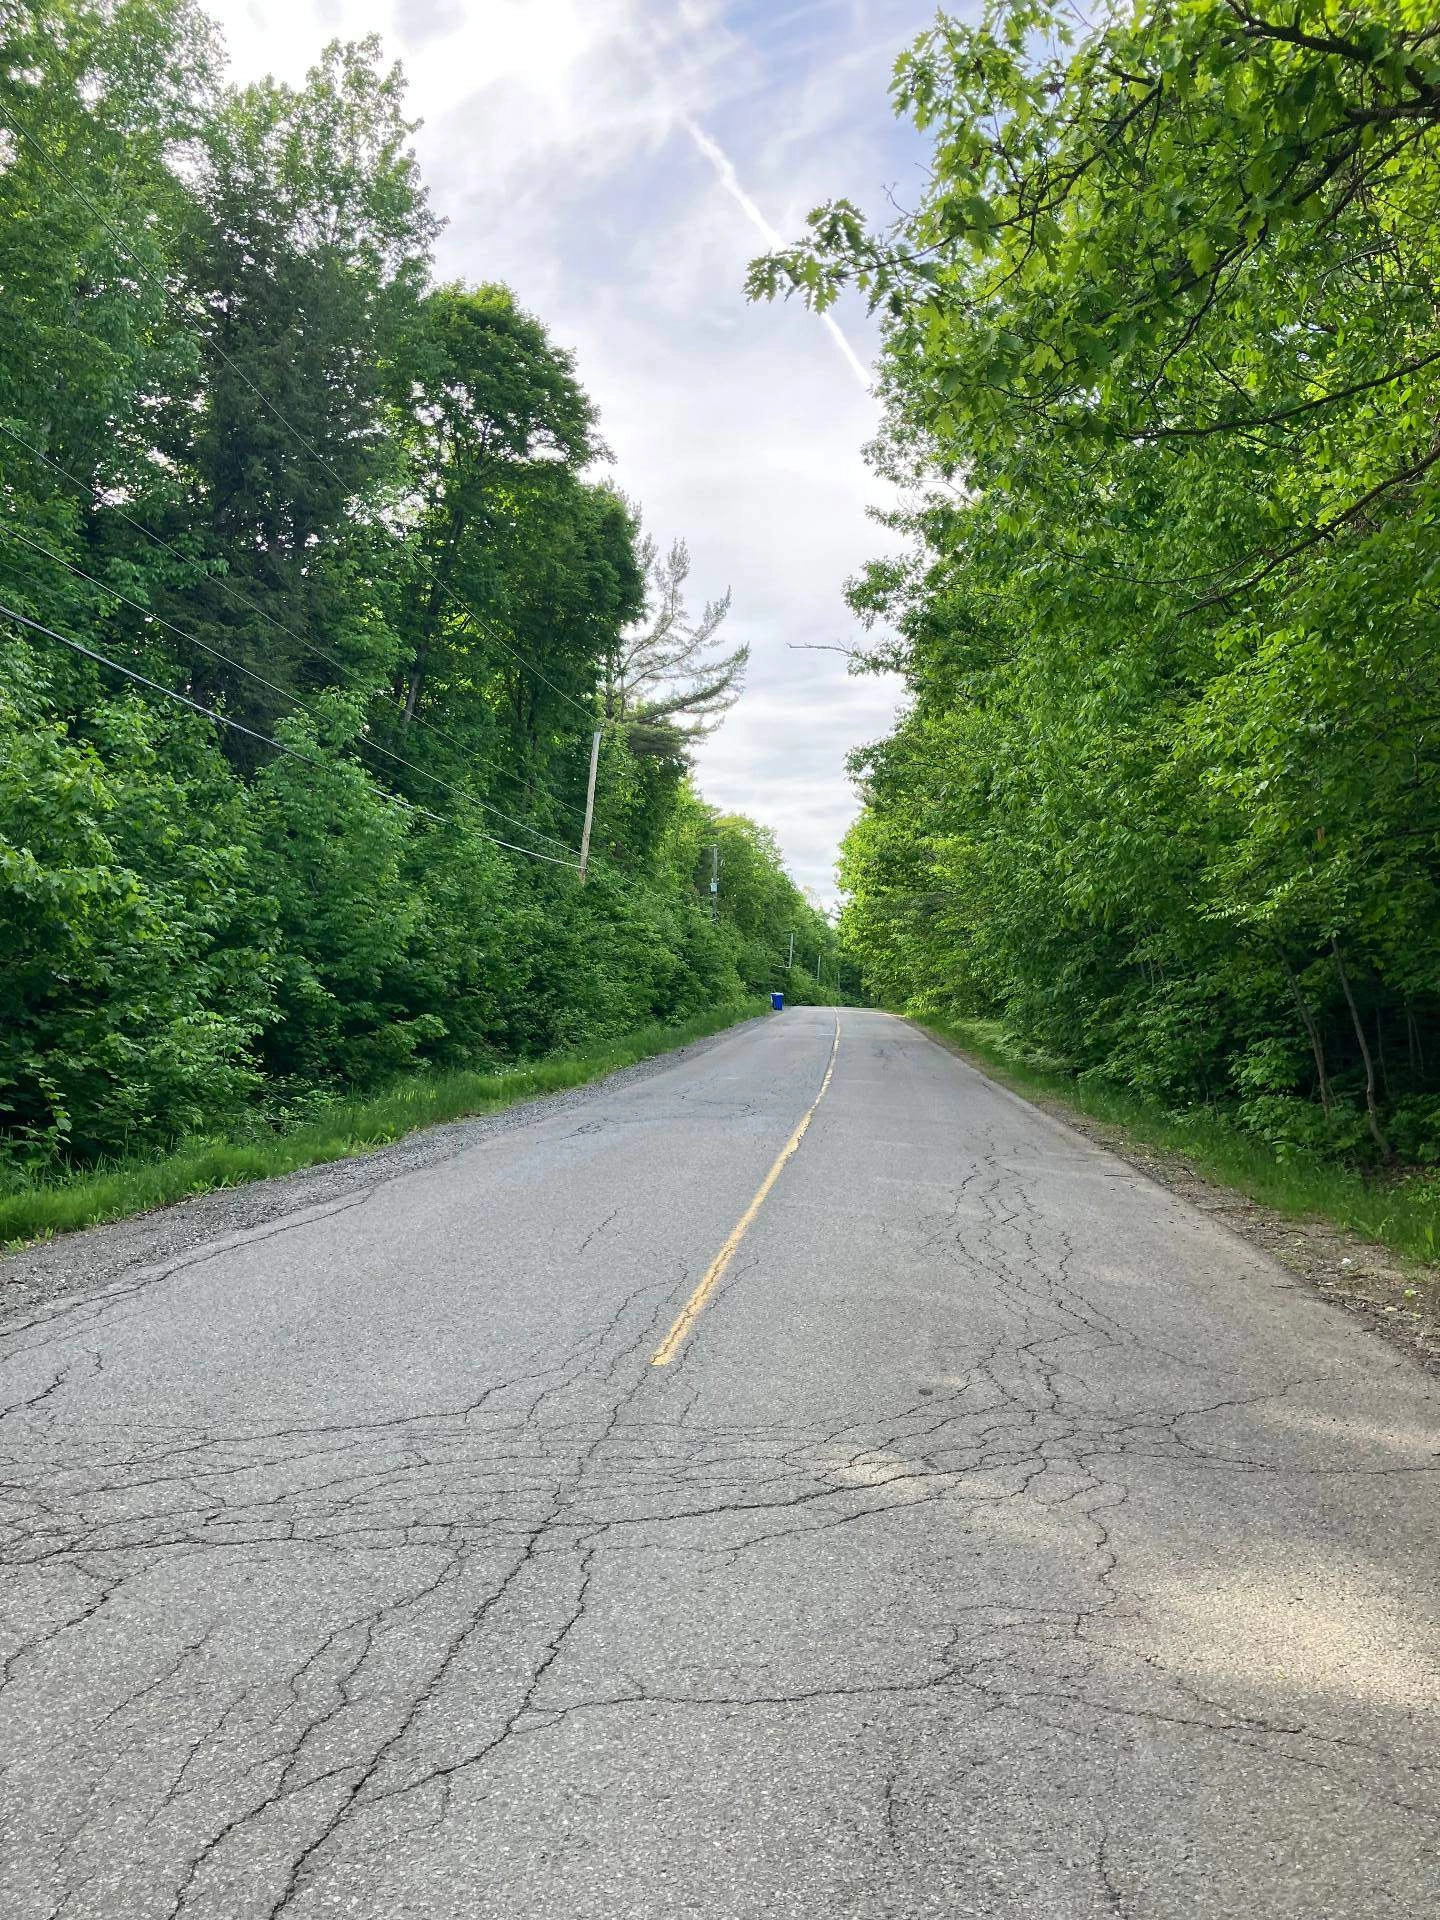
{"points": [[52, 166], [224, 720], [285, 694], [144, 680], [96, 494]]}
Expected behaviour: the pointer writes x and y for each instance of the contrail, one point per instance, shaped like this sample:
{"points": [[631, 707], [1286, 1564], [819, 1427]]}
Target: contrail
{"points": [[730, 180]]}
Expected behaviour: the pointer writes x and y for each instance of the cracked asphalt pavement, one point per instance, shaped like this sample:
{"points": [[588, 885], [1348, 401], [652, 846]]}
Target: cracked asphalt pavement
{"points": [[1005, 1539]]}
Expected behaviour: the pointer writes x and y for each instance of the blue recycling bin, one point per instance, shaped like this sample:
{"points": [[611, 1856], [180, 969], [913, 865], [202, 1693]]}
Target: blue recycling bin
{"points": [[777, 1002]]}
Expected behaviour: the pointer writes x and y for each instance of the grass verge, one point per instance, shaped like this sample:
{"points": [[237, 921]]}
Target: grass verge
{"points": [[51, 1205], [1402, 1214]]}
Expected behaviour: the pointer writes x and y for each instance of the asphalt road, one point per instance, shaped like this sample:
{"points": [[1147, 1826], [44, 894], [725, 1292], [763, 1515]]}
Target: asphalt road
{"points": [[1001, 1537]]}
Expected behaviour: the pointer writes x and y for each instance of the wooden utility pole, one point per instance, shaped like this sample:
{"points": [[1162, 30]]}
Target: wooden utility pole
{"points": [[589, 803]]}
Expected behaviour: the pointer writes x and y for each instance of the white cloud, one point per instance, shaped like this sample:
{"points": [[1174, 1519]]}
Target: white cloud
{"points": [[617, 162], [731, 182]]}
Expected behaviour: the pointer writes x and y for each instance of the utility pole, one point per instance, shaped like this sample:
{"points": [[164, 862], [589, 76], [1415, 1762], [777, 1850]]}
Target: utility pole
{"points": [[791, 961], [589, 803], [715, 881]]}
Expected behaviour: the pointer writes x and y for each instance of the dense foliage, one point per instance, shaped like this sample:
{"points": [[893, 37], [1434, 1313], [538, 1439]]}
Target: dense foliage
{"points": [[1162, 380], [250, 452]]}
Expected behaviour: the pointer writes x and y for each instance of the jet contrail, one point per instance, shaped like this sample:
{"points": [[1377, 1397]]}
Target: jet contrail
{"points": [[730, 180]]}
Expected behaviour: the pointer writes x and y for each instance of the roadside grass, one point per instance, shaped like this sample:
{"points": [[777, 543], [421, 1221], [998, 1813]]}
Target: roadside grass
{"points": [[50, 1204], [1402, 1213]]}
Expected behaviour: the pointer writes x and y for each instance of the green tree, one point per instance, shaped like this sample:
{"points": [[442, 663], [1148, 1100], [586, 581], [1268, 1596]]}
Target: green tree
{"points": [[1161, 365], [305, 256], [310, 595]]}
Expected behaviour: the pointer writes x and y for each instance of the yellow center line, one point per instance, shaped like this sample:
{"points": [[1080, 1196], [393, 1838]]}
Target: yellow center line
{"points": [[694, 1306]]}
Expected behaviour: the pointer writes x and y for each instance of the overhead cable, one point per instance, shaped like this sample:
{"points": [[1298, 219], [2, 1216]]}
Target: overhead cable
{"points": [[224, 720], [285, 693], [223, 581], [52, 166]]}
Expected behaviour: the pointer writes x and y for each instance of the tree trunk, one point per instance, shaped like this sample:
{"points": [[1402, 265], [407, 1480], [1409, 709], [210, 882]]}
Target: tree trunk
{"points": [[1316, 1046], [1372, 1112], [429, 616], [413, 684]]}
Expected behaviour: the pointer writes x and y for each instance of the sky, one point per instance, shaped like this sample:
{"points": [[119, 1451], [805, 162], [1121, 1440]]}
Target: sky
{"points": [[618, 163]]}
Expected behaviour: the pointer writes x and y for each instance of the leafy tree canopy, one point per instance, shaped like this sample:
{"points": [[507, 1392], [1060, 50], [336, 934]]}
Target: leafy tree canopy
{"points": [[1161, 375], [252, 456]]}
